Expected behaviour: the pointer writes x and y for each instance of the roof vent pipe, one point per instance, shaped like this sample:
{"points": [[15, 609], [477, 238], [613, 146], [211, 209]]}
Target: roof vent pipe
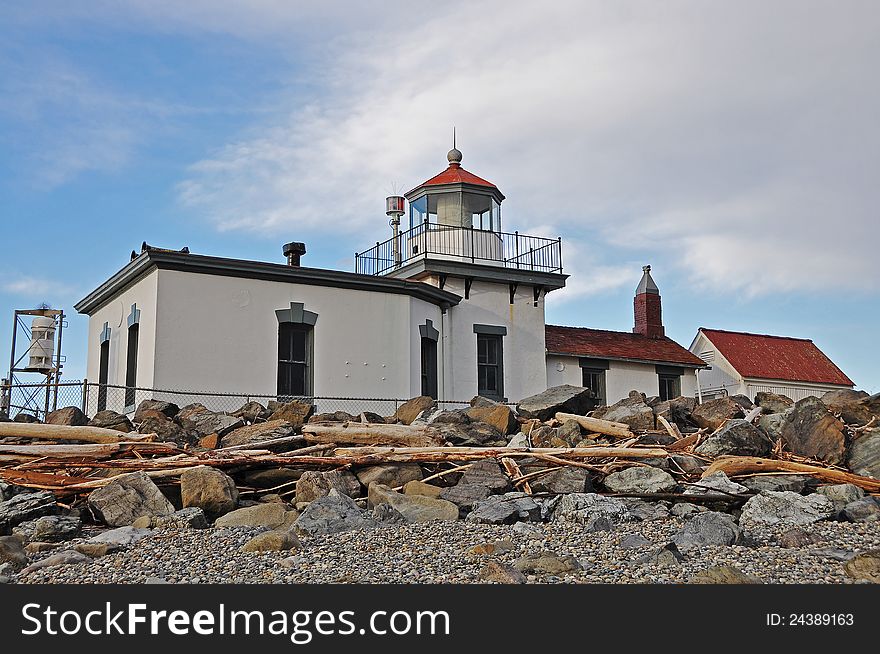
{"points": [[293, 252]]}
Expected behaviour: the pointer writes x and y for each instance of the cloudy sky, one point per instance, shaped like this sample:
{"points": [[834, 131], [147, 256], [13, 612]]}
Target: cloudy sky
{"points": [[733, 146]]}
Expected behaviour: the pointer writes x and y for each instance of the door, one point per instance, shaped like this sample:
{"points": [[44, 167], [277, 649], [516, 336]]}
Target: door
{"points": [[429, 367], [294, 365]]}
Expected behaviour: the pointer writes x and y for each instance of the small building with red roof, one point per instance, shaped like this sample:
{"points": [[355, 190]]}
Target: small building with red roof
{"points": [[744, 363]]}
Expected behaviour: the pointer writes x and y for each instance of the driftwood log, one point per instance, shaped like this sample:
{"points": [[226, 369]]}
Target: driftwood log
{"points": [[68, 433], [606, 427], [747, 465], [358, 433], [90, 451]]}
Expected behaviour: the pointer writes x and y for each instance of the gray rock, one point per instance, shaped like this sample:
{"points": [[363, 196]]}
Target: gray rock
{"points": [[190, 518], [708, 528], [736, 438], [640, 479], [645, 511], [168, 409], [841, 494], [108, 419], [393, 476], [333, 514], [526, 529], [165, 429], [632, 410], [686, 509], [519, 440], [209, 489], [272, 541], [785, 508], [715, 483], [566, 399], [812, 431], [854, 407], [499, 573], [257, 433], [387, 514], [25, 417], [685, 463], [547, 563], [794, 483], [471, 434], [50, 529], [464, 496], [296, 413], [772, 424], [67, 557], [415, 508], [199, 420], [667, 557], [864, 454], [486, 473], [866, 509], [505, 509], [252, 412], [312, 484], [25, 506], [581, 508], [121, 537], [773, 403], [564, 480], [634, 541], [127, 498], [273, 515], [70, 415], [12, 553], [411, 409], [713, 414]]}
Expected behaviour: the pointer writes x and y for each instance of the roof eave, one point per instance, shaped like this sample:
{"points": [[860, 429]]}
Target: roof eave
{"points": [[628, 359]]}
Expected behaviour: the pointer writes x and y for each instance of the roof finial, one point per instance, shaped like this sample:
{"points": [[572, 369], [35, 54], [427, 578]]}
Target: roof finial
{"points": [[646, 269], [454, 155]]}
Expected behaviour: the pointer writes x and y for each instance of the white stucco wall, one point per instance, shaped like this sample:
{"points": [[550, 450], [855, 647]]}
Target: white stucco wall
{"points": [[620, 378], [115, 313]]}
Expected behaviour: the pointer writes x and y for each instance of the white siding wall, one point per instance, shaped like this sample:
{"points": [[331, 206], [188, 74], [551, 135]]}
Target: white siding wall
{"points": [[620, 378], [115, 313], [722, 375]]}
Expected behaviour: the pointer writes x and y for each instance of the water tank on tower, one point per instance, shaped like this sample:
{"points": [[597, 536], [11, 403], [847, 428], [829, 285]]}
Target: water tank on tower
{"points": [[42, 348]]}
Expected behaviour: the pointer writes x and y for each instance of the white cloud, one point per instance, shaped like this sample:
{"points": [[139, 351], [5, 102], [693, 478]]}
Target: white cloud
{"points": [[35, 288]]}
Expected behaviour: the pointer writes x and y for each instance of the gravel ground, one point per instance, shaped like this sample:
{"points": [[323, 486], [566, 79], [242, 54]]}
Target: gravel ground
{"points": [[438, 552]]}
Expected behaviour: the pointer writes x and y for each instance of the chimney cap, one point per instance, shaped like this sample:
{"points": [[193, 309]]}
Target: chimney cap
{"points": [[647, 285], [294, 247]]}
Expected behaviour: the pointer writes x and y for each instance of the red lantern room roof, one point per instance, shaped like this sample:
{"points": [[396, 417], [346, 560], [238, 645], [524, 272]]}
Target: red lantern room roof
{"points": [[455, 174]]}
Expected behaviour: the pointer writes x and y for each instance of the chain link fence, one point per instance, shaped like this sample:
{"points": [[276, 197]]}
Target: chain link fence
{"points": [[92, 398]]}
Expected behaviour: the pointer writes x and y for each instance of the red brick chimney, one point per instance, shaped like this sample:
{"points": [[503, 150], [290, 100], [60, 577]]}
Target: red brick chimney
{"points": [[646, 306]]}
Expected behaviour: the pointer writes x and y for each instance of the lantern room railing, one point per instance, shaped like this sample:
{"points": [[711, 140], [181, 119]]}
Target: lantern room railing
{"points": [[462, 244]]}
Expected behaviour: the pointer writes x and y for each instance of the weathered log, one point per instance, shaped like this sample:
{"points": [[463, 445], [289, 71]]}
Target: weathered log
{"points": [[473, 453], [69, 433], [358, 433], [671, 428], [607, 427], [515, 474], [744, 465], [261, 444], [96, 451]]}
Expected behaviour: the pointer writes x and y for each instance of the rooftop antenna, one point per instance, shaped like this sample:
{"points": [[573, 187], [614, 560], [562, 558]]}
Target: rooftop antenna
{"points": [[453, 137]]}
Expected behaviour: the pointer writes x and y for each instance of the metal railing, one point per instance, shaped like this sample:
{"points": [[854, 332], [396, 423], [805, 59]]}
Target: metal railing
{"points": [[455, 243], [91, 398]]}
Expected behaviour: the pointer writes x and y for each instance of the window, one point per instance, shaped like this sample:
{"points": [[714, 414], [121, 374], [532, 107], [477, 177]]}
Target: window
{"points": [[131, 365], [103, 371], [594, 379], [294, 359], [670, 386], [429, 367], [490, 373]]}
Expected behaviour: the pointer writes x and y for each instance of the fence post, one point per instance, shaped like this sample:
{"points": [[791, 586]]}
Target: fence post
{"points": [[85, 396]]}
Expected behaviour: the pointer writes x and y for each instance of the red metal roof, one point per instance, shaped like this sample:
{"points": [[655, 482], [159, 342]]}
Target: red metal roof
{"points": [[455, 174], [776, 357], [601, 344]]}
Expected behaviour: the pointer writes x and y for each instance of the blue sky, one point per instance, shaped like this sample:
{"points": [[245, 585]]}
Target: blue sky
{"points": [[733, 148]]}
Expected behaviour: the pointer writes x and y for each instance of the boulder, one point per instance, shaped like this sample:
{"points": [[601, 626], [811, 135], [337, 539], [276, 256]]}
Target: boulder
{"points": [[547, 563], [261, 431], [108, 419], [736, 438], [677, 410], [128, 497], [486, 473], [25, 417], [841, 494], [371, 418], [189, 518], [545, 436], [313, 484], [633, 541], [421, 488], [518, 440], [209, 489], [332, 514], [712, 414], [165, 429], [335, 416], [121, 537], [743, 401], [797, 538], [252, 412], [566, 399], [295, 412], [198, 420], [707, 528], [866, 509], [411, 409], [640, 479], [272, 541], [794, 483], [270, 477], [68, 557], [666, 557], [864, 567], [633, 411], [273, 515], [723, 574], [864, 454], [854, 407], [464, 496], [479, 400], [12, 553], [49, 529], [70, 415], [785, 508], [685, 509], [644, 511], [717, 482], [25, 506], [415, 508], [582, 508], [393, 476], [168, 409], [505, 509], [773, 403], [812, 431], [453, 417], [498, 573], [499, 416], [772, 424], [471, 434], [387, 514], [564, 480]]}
